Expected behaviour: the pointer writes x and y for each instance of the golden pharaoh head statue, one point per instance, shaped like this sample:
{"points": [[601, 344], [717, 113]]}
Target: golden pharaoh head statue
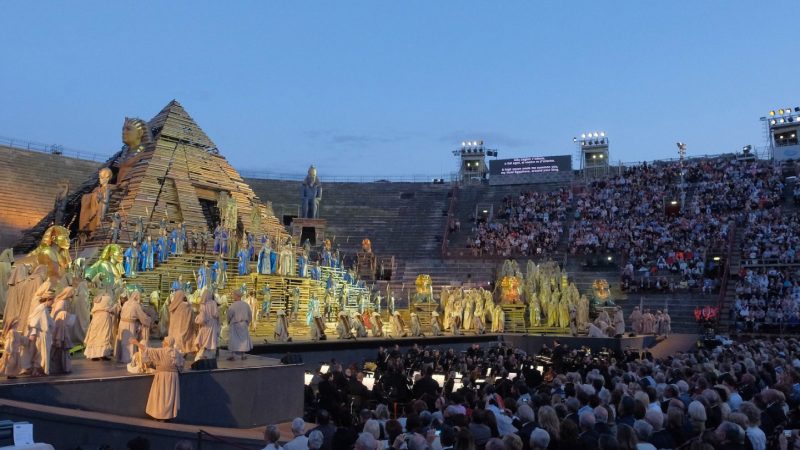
{"points": [[135, 134], [423, 283], [53, 250]]}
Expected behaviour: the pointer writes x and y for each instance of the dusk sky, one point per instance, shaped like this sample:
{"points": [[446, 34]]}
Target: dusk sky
{"points": [[392, 87]]}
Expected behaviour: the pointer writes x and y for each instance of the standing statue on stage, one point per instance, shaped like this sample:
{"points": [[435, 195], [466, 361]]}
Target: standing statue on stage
{"points": [[138, 230], [94, 205], [116, 227], [60, 204], [311, 195]]}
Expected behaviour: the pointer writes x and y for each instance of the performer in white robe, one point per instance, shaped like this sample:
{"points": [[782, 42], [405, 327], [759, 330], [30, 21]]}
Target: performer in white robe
{"points": [[6, 260], [597, 330], [619, 321], [239, 317], [343, 326], [36, 354], [358, 325], [100, 335], [436, 327], [181, 324], [636, 320], [81, 307], [416, 326], [164, 400], [13, 340], [480, 328], [398, 327], [22, 286], [648, 322], [208, 327], [59, 354], [132, 319], [377, 325]]}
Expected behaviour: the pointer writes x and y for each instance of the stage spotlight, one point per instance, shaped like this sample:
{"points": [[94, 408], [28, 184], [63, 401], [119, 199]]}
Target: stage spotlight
{"points": [[583, 135], [780, 120], [772, 122], [780, 112], [463, 144], [603, 133], [772, 113], [595, 134]]}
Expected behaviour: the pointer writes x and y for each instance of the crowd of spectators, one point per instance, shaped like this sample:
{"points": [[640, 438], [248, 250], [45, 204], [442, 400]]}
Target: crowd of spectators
{"points": [[739, 396], [768, 299], [529, 224], [771, 237]]}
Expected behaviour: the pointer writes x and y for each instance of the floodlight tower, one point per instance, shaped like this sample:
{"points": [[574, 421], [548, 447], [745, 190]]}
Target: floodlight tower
{"points": [[594, 154], [472, 166], [782, 128], [681, 157]]}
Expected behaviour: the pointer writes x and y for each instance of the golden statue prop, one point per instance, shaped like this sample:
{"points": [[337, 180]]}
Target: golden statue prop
{"points": [[109, 265], [510, 290], [424, 287], [53, 251], [366, 245]]}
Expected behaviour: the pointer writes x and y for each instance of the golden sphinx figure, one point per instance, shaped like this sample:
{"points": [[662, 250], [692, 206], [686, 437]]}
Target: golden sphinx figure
{"points": [[52, 252], [109, 265]]}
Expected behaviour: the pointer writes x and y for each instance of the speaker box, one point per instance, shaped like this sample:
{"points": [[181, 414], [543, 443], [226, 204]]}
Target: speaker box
{"points": [[204, 364], [292, 358]]}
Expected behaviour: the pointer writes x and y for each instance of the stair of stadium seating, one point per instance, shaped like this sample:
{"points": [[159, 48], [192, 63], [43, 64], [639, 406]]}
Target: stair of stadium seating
{"points": [[470, 196], [401, 219]]}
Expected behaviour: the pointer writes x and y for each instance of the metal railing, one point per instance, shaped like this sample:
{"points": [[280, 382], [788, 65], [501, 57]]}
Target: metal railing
{"points": [[415, 178], [53, 149]]}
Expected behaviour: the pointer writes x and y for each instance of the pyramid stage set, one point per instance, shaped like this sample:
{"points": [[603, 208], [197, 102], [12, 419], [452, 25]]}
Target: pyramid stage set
{"points": [[165, 240]]}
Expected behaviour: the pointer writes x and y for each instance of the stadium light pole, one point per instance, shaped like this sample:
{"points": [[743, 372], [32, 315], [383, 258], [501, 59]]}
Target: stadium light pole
{"points": [[681, 156]]}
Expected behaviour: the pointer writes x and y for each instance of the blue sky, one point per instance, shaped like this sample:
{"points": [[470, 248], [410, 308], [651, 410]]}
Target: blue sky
{"points": [[391, 87]]}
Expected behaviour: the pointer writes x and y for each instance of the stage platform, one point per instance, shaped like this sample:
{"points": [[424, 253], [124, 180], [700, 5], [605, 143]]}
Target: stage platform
{"points": [[239, 394]]}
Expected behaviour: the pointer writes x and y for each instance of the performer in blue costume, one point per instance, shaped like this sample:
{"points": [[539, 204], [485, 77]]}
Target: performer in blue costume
{"points": [[273, 260], [131, 262], [148, 254], [251, 247], [163, 248], [218, 274], [301, 265], [223, 237], [173, 242], [313, 305], [263, 266], [204, 274], [244, 266], [316, 273], [218, 239]]}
